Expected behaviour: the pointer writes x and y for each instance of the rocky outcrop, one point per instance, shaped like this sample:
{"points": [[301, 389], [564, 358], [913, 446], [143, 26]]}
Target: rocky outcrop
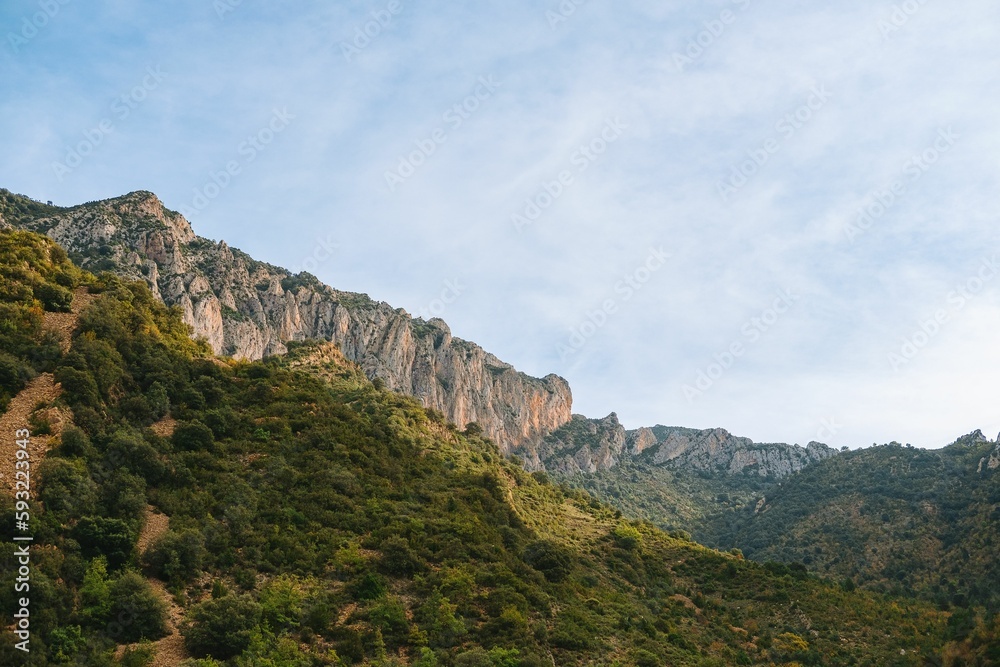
{"points": [[589, 445], [718, 451], [991, 462], [582, 445], [249, 309]]}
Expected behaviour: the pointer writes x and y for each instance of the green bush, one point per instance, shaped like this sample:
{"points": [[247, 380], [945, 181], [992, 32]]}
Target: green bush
{"points": [[102, 536], [14, 373], [281, 602], [626, 536], [398, 558], [64, 643], [54, 297], [178, 556], [368, 586], [67, 488], [136, 611], [222, 628], [193, 436], [550, 558]]}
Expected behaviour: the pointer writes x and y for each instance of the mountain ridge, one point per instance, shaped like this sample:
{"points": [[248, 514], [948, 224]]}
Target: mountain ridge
{"points": [[250, 309]]}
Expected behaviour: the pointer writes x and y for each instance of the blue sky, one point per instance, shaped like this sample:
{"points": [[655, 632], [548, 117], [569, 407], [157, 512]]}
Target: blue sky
{"points": [[740, 138]]}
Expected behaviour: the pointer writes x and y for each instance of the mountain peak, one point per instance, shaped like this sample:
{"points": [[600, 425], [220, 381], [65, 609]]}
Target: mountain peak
{"points": [[972, 439]]}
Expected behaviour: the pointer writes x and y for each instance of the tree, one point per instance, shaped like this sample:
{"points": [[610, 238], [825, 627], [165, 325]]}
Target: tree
{"points": [[101, 536], [136, 611], [222, 628], [550, 558]]}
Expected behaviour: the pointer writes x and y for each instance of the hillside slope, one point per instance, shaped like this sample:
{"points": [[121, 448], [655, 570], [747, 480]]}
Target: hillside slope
{"points": [[316, 519], [890, 518]]}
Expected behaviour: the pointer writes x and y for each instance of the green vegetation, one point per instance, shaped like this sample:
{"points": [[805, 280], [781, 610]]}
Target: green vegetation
{"points": [[674, 499], [888, 518], [35, 276], [316, 519]]}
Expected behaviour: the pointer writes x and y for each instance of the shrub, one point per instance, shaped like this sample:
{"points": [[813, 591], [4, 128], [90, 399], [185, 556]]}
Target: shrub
{"points": [[67, 489], [139, 612], [398, 558], [193, 436], [101, 536], [54, 297], [64, 643], [177, 556], [281, 603], [130, 451], [550, 558], [222, 628], [626, 536], [95, 592], [368, 586], [389, 616], [14, 373], [477, 657]]}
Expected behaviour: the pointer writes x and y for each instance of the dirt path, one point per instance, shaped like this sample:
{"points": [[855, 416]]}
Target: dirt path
{"points": [[65, 323], [169, 650], [43, 389], [165, 427]]}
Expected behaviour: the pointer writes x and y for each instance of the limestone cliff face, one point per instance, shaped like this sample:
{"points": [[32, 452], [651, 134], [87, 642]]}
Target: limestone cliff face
{"points": [[716, 450], [249, 309], [582, 445], [588, 445]]}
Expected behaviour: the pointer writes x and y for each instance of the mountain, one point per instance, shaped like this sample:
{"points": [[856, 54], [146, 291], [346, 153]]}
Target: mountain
{"points": [[890, 518], [585, 445], [292, 512], [717, 450], [681, 479], [248, 309]]}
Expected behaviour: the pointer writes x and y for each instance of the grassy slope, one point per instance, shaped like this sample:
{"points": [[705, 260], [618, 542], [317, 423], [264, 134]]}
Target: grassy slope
{"points": [[320, 520]]}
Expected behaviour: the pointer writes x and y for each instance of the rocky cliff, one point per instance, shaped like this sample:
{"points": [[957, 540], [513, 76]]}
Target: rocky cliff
{"points": [[581, 445], [717, 450], [589, 445], [248, 309]]}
